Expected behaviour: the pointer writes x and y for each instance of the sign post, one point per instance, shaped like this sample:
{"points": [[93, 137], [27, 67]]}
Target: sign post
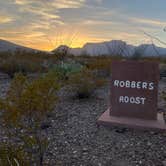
{"points": [[133, 96]]}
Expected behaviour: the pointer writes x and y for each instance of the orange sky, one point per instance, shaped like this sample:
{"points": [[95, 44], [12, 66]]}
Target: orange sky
{"points": [[47, 24]]}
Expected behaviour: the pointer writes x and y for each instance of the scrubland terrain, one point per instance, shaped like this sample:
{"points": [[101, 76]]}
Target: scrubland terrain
{"points": [[63, 131]]}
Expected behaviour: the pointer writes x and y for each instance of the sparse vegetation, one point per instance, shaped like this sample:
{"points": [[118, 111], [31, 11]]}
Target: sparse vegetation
{"points": [[82, 83], [28, 102], [25, 62], [64, 70], [25, 108], [12, 155], [102, 66]]}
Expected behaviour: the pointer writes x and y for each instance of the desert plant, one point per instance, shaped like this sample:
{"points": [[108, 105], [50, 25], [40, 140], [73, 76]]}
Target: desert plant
{"points": [[164, 95], [12, 66], [64, 70], [102, 66], [99, 82], [25, 62], [82, 83], [11, 155], [25, 108], [162, 70]]}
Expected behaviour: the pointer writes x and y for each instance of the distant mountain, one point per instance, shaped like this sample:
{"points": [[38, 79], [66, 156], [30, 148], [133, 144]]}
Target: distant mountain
{"points": [[115, 47], [9, 46], [109, 48], [150, 50]]}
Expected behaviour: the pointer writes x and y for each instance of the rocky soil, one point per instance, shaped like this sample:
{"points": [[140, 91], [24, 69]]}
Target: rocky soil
{"points": [[76, 139]]}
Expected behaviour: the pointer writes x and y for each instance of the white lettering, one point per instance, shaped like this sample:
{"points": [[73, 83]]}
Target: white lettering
{"points": [[116, 83], [127, 84], [126, 99], [151, 86], [121, 99], [144, 85], [138, 85], [122, 84], [134, 84], [143, 100], [132, 100], [137, 101]]}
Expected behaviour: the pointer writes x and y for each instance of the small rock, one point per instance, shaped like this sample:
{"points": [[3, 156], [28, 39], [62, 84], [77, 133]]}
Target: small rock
{"points": [[164, 163], [74, 152], [149, 143], [84, 149], [45, 125]]}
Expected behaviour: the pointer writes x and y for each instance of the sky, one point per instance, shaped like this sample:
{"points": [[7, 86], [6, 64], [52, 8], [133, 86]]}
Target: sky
{"points": [[46, 24]]}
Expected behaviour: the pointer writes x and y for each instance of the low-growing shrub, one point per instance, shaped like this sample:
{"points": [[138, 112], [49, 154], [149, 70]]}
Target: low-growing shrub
{"points": [[25, 108], [102, 66], [12, 66], [164, 95], [99, 82], [64, 70], [82, 83], [11, 155], [162, 70]]}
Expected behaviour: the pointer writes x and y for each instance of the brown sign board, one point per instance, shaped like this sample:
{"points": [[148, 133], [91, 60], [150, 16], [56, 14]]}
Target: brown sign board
{"points": [[134, 89]]}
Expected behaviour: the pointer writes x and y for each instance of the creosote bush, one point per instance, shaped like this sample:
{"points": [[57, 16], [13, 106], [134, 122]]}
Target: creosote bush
{"points": [[82, 83], [25, 108], [101, 65]]}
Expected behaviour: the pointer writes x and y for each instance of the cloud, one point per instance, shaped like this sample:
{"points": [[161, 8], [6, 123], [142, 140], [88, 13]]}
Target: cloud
{"points": [[21, 2], [99, 1], [5, 19], [58, 4], [151, 22], [62, 4], [96, 22]]}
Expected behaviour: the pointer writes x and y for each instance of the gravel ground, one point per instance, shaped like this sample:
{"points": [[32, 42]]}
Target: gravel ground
{"points": [[76, 140]]}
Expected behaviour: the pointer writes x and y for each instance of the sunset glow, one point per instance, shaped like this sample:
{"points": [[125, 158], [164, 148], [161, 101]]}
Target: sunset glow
{"points": [[47, 24]]}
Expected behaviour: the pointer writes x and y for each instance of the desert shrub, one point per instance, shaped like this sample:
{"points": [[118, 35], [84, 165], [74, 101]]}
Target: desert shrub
{"points": [[12, 66], [82, 83], [99, 82], [162, 70], [12, 155], [25, 62], [164, 95], [102, 66], [64, 70], [25, 108]]}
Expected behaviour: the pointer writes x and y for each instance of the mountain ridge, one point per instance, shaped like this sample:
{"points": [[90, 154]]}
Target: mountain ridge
{"points": [[108, 48], [116, 47], [11, 46]]}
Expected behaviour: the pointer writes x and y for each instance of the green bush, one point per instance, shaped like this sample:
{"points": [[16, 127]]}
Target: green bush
{"points": [[64, 70]]}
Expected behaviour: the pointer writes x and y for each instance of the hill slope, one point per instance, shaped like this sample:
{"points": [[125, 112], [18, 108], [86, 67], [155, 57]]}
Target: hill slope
{"points": [[9, 46], [115, 47]]}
